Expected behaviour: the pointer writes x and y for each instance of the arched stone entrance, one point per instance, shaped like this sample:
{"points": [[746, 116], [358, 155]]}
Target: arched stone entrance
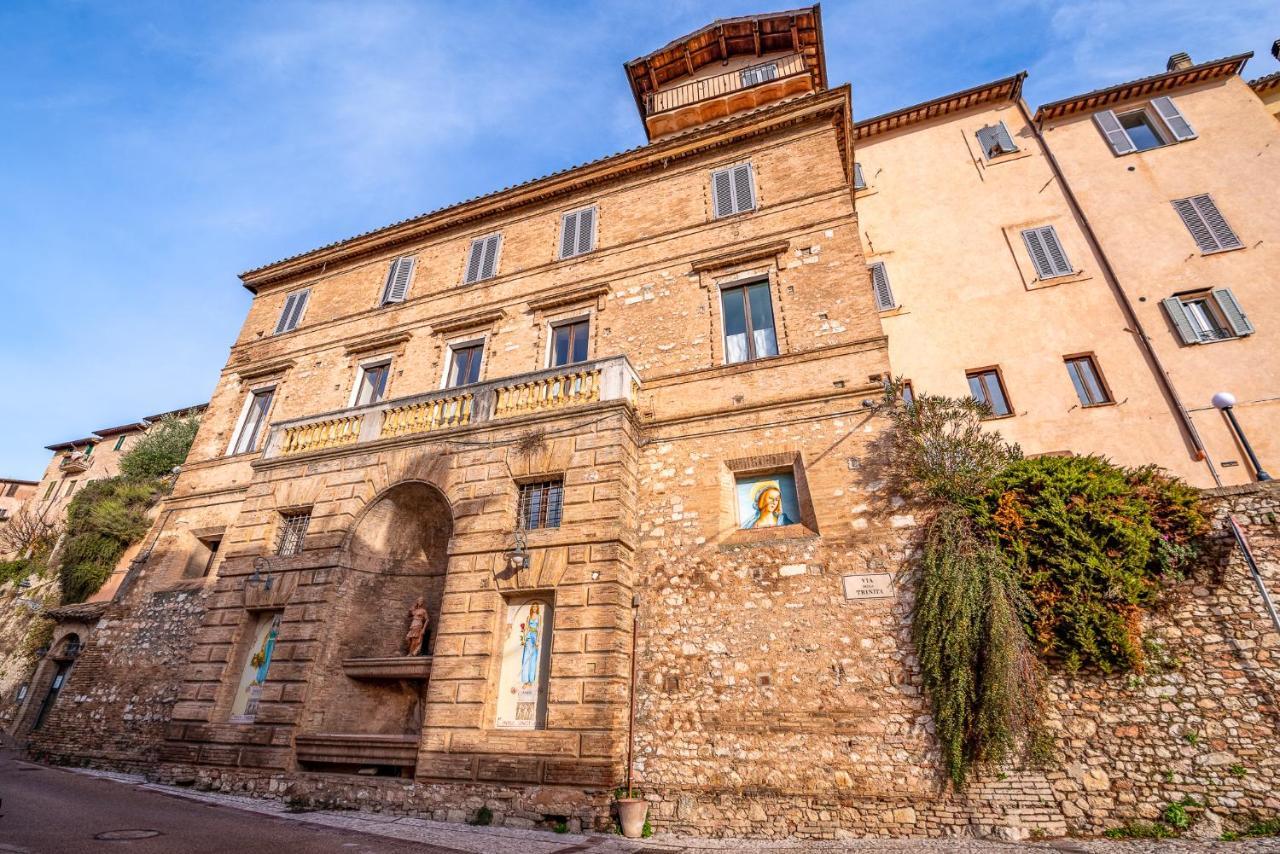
{"points": [[366, 712]]}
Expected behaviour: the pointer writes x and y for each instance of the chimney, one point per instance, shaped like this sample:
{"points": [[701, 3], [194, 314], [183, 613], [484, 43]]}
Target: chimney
{"points": [[1179, 61], [1275, 49]]}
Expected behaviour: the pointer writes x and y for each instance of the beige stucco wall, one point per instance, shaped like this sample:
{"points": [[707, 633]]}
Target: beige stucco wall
{"points": [[1271, 99], [1236, 159], [947, 224]]}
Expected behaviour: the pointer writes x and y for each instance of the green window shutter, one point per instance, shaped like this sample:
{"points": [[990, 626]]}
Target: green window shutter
{"points": [[1178, 316], [1236, 318]]}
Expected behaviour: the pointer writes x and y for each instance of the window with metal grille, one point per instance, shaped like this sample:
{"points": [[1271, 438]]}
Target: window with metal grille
{"points": [[540, 504], [986, 387], [733, 190], [1087, 380], [293, 527], [1206, 223]]}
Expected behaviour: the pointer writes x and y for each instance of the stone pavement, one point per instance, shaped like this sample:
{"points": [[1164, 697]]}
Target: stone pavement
{"points": [[500, 840]]}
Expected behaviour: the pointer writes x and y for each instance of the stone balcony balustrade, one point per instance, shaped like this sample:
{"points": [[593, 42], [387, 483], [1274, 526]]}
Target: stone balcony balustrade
{"points": [[549, 390], [75, 462]]}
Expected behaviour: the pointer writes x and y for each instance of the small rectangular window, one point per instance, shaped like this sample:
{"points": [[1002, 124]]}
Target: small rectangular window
{"points": [[1141, 130], [578, 232], [758, 74], [254, 421], [569, 343], [995, 140], [540, 504], [1206, 223], [482, 259], [733, 190], [464, 364], [48, 493], [985, 386], [294, 304], [293, 528], [859, 182], [1046, 251], [748, 323], [880, 285], [120, 442], [71, 487], [1203, 318], [1087, 380], [399, 278], [371, 386]]}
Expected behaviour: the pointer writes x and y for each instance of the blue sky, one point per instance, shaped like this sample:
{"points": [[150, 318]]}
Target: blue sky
{"points": [[150, 151]]}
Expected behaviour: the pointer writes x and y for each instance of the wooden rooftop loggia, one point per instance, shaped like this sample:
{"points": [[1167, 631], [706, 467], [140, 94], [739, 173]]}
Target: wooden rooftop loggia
{"points": [[410, 667], [795, 32]]}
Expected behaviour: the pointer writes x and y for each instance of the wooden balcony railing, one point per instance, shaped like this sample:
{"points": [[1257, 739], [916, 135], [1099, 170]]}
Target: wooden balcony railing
{"points": [[723, 84], [524, 394]]}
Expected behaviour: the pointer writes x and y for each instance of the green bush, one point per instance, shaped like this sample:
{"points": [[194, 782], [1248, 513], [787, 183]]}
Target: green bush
{"points": [[164, 446], [103, 520], [16, 570], [1093, 545]]}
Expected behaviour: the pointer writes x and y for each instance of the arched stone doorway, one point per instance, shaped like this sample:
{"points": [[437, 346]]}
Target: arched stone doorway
{"points": [[367, 709]]}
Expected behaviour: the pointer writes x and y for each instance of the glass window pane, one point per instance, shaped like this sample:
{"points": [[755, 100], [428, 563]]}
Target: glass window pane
{"points": [[763, 338], [999, 405], [1140, 130], [579, 333], [560, 347], [1090, 377], [1073, 371], [735, 325], [976, 391]]}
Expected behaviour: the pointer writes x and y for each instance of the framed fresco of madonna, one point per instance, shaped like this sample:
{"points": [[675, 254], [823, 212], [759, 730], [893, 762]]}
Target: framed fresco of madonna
{"points": [[526, 663], [767, 501]]}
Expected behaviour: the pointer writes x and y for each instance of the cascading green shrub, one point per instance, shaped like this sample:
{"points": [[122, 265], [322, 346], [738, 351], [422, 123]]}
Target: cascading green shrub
{"points": [[1093, 545]]}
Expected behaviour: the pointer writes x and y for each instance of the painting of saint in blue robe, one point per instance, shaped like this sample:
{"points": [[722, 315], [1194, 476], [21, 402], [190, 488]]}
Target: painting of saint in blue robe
{"points": [[767, 501], [526, 649]]}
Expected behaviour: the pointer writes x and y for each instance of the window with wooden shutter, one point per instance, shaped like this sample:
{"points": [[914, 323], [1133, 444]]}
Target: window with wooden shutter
{"points": [[578, 232], [1203, 318], [1206, 223], [733, 190], [1046, 251], [995, 140], [482, 260], [1111, 128], [398, 279], [859, 182], [880, 284], [1231, 311], [1173, 119], [291, 314]]}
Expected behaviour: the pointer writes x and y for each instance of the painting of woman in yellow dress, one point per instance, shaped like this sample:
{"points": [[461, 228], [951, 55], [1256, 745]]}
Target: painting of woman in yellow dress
{"points": [[767, 502]]}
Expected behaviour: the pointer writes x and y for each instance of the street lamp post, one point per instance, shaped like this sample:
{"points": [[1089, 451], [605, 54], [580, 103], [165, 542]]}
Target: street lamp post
{"points": [[1225, 402]]}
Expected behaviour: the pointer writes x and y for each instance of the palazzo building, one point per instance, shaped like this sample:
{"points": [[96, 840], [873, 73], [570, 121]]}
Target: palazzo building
{"points": [[579, 479]]}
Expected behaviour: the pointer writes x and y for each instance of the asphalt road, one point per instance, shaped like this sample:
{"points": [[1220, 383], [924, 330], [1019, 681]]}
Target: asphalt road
{"points": [[50, 811]]}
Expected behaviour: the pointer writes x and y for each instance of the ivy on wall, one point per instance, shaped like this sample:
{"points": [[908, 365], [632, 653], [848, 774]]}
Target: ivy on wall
{"points": [[1027, 563]]}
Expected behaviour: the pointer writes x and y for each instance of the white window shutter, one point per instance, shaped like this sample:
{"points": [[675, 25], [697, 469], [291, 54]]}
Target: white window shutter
{"points": [[1236, 318], [722, 193], [1178, 316], [880, 284], [489, 264], [744, 198], [398, 278], [472, 273], [1223, 236], [1173, 119], [859, 183], [569, 234], [586, 230], [1114, 132]]}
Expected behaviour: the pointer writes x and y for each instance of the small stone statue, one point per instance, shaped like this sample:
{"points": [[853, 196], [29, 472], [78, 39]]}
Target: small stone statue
{"points": [[418, 619]]}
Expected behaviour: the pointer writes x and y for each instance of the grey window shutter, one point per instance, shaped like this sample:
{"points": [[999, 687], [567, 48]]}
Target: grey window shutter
{"points": [[1236, 318], [722, 193], [1004, 139], [1046, 251], [743, 189], [1178, 316], [473, 261], [1217, 223], [398, 278], [292, 312], [995, 140], [1115, 134], [283, 323], [859, 183], [586, 230], [1195, 224], [569, 235], [1173, 118], [987, 140], [489, 264], [880, 284]]}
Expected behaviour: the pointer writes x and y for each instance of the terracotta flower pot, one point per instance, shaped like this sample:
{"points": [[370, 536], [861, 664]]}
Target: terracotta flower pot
{"points": [[632, 813]]}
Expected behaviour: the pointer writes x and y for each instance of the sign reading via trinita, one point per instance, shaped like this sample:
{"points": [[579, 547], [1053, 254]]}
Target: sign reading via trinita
{"points": [[877, 585]]}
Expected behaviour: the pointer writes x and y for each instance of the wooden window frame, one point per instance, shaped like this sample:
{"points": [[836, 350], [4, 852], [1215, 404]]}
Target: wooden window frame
{"points": [[554, 325], [1004, 390], [743, 285], [1092, 359], [250, 395], [361, 370], [451, 349]]}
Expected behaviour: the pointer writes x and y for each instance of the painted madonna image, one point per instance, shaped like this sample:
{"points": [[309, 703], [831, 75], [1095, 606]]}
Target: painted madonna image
{"points": [[767, 501], [522, 689]]}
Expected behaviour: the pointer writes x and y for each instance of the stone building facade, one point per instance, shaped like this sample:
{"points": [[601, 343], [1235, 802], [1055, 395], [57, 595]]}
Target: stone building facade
{"points": [[577, 482]]}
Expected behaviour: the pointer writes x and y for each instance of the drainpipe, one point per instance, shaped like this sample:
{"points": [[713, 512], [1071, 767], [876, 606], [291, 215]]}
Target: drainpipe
{"points": [[1131, 316]]}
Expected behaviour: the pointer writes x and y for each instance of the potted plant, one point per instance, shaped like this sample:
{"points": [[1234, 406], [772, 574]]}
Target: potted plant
{"points": [[632, 812]]}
